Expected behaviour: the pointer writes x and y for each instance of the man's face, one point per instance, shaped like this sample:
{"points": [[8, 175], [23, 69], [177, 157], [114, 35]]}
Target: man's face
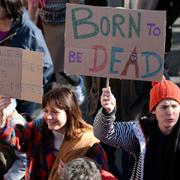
{"points": [[167, 113]]}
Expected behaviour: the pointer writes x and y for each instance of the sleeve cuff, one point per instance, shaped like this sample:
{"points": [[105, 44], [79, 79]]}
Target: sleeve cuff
{"points": [[108, 114]]}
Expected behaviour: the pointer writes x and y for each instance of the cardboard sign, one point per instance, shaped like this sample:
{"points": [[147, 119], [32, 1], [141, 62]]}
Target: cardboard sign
{"points": [[114, 42], [21, 73]]}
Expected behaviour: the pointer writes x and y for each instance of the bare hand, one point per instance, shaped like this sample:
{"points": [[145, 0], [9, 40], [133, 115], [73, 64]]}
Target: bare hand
{"points": [[4, 102], [108, 100], [60, 166]]}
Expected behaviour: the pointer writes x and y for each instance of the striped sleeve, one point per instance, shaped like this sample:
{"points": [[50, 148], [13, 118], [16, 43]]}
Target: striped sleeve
{"points": [[117, 134]]}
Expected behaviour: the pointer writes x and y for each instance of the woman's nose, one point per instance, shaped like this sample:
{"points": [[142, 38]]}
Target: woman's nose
{"points": [[48, 115]]}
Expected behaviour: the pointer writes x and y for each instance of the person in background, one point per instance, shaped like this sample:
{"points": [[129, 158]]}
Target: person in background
{"points": [[80, 169], [61, 134], [52, 15], [154, 140], [83, 168], [17, 30]]}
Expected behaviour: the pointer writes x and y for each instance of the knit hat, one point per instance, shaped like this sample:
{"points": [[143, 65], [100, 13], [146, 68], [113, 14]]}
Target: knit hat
{"points": [[162, 90]]}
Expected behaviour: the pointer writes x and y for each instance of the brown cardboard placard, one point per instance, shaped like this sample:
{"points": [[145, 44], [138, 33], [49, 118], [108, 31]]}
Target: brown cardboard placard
{"points": [[114, 42], [21, 73]]}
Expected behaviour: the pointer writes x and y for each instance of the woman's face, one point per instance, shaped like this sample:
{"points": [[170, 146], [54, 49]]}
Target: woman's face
{"points": [[167, 113], [55, 118]]}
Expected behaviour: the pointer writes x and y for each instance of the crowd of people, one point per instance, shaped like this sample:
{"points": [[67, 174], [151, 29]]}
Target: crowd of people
{"points": [[83, 121]]}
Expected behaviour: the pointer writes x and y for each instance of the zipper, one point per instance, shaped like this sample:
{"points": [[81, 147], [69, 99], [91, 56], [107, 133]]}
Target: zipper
{"points": [[8, 37]]}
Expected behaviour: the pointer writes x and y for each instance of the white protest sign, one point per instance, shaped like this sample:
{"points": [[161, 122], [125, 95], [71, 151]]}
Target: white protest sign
{"points": [[114, 42]]}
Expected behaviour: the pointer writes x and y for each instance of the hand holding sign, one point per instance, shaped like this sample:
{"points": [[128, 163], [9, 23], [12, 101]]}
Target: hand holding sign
{"points": [[108, 100]]}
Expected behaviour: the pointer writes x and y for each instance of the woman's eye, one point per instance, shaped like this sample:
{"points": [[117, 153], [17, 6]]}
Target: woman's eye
{"points": [[55, 112]]}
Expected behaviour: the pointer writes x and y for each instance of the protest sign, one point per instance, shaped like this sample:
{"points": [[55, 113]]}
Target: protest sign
{"points": [[114, 42], [21, 73]]}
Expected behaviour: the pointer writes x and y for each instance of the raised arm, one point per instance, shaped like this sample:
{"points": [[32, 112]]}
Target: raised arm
{"points": [[117, 134]]}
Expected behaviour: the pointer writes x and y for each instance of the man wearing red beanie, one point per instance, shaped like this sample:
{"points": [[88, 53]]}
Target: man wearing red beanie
{"points": [[153, 140]]}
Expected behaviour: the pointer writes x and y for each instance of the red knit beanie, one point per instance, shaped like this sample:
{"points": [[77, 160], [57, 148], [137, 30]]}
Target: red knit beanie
{"points": [[162, 90]]}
